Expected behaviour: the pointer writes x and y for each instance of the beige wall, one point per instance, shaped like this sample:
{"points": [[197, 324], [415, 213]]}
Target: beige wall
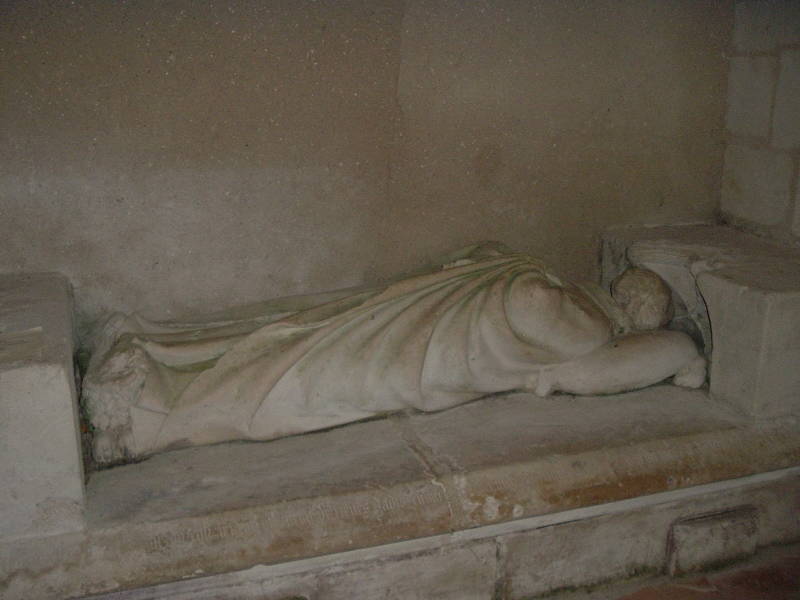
{"points": [[761, 180], [175, 156]]}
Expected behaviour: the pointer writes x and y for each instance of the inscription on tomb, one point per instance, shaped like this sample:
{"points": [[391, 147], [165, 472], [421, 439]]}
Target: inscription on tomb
{"points": [[265, 523]]}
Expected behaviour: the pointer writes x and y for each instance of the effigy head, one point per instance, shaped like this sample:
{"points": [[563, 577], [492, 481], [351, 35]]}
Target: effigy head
{"points": [[644, 296]]}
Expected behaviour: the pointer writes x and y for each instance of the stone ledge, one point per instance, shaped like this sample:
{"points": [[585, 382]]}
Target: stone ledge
{"points": [[228, 507]]}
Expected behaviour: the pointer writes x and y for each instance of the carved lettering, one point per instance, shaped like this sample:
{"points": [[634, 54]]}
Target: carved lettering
{"points": [[321, 512]]}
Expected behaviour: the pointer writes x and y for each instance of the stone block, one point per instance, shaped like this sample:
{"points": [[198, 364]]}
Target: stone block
{"points": [[316, 505], [40, 457], [704, 542], [786, 116], [643, 538], [778, 512], [755, 317], [756, 184], [453, 571], [579, 553], [763, 25], [456, 572], [750, 87]]}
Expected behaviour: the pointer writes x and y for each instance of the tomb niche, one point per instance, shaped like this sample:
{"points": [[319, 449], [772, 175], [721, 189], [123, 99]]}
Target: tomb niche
{"points": [[428, 352]]}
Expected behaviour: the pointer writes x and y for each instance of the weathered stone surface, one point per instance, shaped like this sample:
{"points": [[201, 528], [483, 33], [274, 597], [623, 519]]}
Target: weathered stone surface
{"points": [[224, 508], [706, 541], [786, 116], [778, 506], [755, 314], [750, 88], [762, 25], [303, 496], [497, 462], [40, 459], [584, 552], [750, 289], [457, 572], [353, 459], [756, 184], [488, 320], [517, 456], [514, 560], [632, 541], [464, 571]]}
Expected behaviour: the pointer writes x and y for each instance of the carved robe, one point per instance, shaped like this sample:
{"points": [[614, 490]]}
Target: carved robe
{"points": [[484, 324]]}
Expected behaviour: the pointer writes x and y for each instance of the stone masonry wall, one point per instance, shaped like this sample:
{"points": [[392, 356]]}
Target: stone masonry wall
{"points": [[760, 189]]}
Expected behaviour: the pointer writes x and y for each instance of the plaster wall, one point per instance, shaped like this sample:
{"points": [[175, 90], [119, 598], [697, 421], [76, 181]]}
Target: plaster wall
{"points": [[761, 180], [174, 157]]}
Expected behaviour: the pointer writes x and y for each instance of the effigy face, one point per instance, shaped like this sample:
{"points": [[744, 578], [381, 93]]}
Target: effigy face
{"points": [[484, 323]]}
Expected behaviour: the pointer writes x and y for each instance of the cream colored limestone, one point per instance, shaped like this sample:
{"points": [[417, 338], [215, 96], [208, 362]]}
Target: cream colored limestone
{"points": [[755, 313], [708, 541], [40, 458], [740, 295], [512, 463], [513, 561], [487, 321]]}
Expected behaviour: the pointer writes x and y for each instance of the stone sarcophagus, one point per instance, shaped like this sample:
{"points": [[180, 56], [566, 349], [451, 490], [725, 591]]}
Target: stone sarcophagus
{"points": [[485, 487]]}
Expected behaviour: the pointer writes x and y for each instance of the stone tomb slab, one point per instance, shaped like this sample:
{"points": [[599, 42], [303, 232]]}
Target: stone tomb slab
{"points": [[221, 508], [520, 455], [349, 487]]}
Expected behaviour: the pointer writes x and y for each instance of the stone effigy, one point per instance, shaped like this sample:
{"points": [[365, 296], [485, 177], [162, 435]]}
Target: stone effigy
{"points": [[486, 321]]}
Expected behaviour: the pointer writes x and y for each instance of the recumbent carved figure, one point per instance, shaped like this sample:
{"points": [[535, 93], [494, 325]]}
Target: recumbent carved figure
{"points": [[486, 321]]}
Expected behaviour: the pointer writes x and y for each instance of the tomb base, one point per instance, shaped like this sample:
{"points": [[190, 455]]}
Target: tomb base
{"points": [[485, 469], [507, 497], [532, 556]]}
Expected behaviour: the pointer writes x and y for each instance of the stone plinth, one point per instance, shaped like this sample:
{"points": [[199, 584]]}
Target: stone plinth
{"points": [[749, 288], [711, 540], [524, 558], [216, 509], [40, 457]]}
